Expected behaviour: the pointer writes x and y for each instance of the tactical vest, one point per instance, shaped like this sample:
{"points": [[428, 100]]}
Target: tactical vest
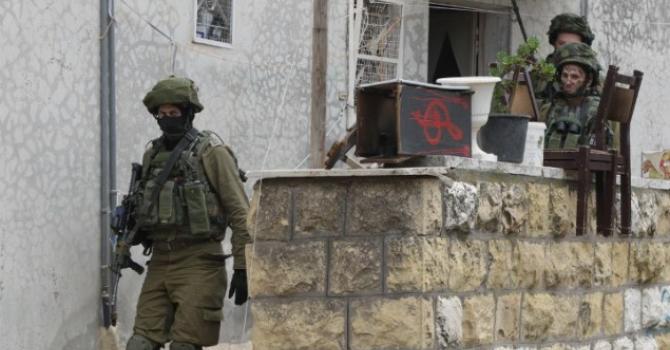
{"points": [[569, 127], [187, 206]]}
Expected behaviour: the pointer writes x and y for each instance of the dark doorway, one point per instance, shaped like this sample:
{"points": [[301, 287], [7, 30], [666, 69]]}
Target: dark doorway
{"points": [[463, 42]]}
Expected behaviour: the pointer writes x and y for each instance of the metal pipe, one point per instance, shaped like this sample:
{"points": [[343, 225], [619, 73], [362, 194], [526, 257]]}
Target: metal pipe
{"points": [[112, 105], [105, 231]]}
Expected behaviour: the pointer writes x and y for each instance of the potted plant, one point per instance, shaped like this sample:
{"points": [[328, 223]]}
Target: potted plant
{"points": [[513, 104]]}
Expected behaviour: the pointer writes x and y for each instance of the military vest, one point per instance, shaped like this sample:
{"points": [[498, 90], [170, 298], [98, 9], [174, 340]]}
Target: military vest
{"points": [[570, 126], [187, 205]]}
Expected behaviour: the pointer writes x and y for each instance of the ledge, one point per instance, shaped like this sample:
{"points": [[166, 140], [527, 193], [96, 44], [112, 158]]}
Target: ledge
{"points": [[451, 164]]}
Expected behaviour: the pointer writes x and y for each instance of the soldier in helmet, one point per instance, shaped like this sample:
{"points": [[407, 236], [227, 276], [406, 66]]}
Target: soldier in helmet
{"points": [[564, 29], [569, 28], [571, 113], [190, 192]]}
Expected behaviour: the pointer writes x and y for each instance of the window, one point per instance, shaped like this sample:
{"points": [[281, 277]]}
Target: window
{"points": [[214, 22], [463, 41], [379, 50]]}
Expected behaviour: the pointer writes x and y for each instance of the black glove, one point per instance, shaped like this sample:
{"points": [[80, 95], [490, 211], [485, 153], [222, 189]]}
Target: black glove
{"points": [[238, 286]]}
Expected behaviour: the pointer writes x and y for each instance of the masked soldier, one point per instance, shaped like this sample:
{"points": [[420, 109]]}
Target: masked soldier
{"points": [[564, 29], [570, 114], [190, 192]]}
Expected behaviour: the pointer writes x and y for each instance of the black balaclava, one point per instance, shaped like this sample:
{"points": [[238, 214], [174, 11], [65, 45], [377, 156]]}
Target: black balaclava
{"points": [[176, 127]]}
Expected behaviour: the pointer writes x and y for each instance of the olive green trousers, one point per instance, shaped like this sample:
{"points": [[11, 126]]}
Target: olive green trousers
{"points": [[182, 295]]}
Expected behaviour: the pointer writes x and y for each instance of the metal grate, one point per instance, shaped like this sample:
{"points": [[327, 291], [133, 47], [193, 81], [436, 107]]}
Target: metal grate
{"points": [[370, 71], [380, 29], [214, 20], [380, 41]]}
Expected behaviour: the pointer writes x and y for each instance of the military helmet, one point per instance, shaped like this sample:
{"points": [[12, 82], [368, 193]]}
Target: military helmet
{"points": [[570, 23], [173, 90], [577, 53]]}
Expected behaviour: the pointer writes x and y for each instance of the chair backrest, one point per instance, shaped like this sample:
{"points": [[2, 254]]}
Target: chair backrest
{"points": [[617, 103]]}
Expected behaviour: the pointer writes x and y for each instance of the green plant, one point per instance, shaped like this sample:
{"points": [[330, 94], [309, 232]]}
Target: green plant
{"points": [[541, 72]]}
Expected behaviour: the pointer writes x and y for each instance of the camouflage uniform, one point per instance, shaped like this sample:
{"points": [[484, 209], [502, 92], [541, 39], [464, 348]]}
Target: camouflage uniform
{"points": [[563, 23], [570, 119], [182, 296]]}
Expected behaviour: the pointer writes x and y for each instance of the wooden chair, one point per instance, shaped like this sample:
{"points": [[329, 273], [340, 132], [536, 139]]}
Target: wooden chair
{"points": [[617, 104]]}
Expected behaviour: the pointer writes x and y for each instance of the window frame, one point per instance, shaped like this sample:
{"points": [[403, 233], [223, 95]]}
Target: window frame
{"points": [[210, 42], [355, 11]]}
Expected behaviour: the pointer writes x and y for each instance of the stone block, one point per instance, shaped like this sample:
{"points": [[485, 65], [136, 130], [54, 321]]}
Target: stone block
{"points": [[643, 214], [283, 269], [405, 323], [449, 322], [563, 207], [531, 265], [355, 267], [570, 265], [656, 307], [489, 215], [507, 318], [620, 263], [467, 259], [566, 347], [502, 271], [613, 309], [624, 343], [514, 208], [663, 341], [319, 208], [461, 202], [270, 211], [299, 325], [647, 261], [539, 213], [392, 205], [590, 318], [478, 318], [602, 345], [632, 310], [602, 274], [417, 264], [645, 343], [544, 316], [663, 213]]}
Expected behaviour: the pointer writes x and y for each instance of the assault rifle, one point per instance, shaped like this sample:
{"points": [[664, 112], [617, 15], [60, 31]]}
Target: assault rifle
{"points": [[124, 224]]}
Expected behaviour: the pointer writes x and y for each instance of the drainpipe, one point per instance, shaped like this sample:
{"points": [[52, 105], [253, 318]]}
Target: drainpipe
{"points": [[107, 154], [584, 8]]}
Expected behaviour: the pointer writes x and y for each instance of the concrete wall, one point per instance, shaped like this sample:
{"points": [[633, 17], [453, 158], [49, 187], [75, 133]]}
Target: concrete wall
{"points": [[49, 202], [470, 257]]}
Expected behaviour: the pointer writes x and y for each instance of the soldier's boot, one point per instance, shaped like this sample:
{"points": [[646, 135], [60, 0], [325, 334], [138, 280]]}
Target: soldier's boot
{"points": [[184, 346], [138, 342]]}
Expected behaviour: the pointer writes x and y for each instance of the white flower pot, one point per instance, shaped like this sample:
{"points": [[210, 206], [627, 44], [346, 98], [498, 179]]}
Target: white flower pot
{"points": [[481, 105]]}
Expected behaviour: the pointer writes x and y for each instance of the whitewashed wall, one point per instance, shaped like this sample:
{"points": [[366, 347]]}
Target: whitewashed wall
{"points": [[49, 175]]}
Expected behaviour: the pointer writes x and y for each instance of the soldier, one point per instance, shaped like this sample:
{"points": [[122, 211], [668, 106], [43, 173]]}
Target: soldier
{"points": [[184, 212], [564, 29], [569, 28], [571, 113]]}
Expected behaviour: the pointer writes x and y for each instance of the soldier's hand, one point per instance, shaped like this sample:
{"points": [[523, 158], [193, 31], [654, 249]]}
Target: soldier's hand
{"points": [[238, 287]]}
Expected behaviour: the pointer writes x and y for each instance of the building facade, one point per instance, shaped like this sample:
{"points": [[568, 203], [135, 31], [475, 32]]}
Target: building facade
{"points": [[251, 61]]}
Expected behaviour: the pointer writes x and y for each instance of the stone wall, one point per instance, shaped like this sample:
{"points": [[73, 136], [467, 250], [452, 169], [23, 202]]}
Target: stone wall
{"points": [[456, 259]]}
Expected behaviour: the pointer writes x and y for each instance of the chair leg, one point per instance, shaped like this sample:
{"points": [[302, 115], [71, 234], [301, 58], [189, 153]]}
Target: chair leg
{"points": [[607, 205], [583, 189], [625, 204], [603, 210]]}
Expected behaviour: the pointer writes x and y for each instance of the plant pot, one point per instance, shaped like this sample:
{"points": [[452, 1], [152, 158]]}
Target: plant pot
{"points": [[505, 136], [480, 105]]}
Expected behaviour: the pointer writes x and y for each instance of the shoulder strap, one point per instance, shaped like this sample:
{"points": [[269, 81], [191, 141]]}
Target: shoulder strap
{"points": [[188, 139]]}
